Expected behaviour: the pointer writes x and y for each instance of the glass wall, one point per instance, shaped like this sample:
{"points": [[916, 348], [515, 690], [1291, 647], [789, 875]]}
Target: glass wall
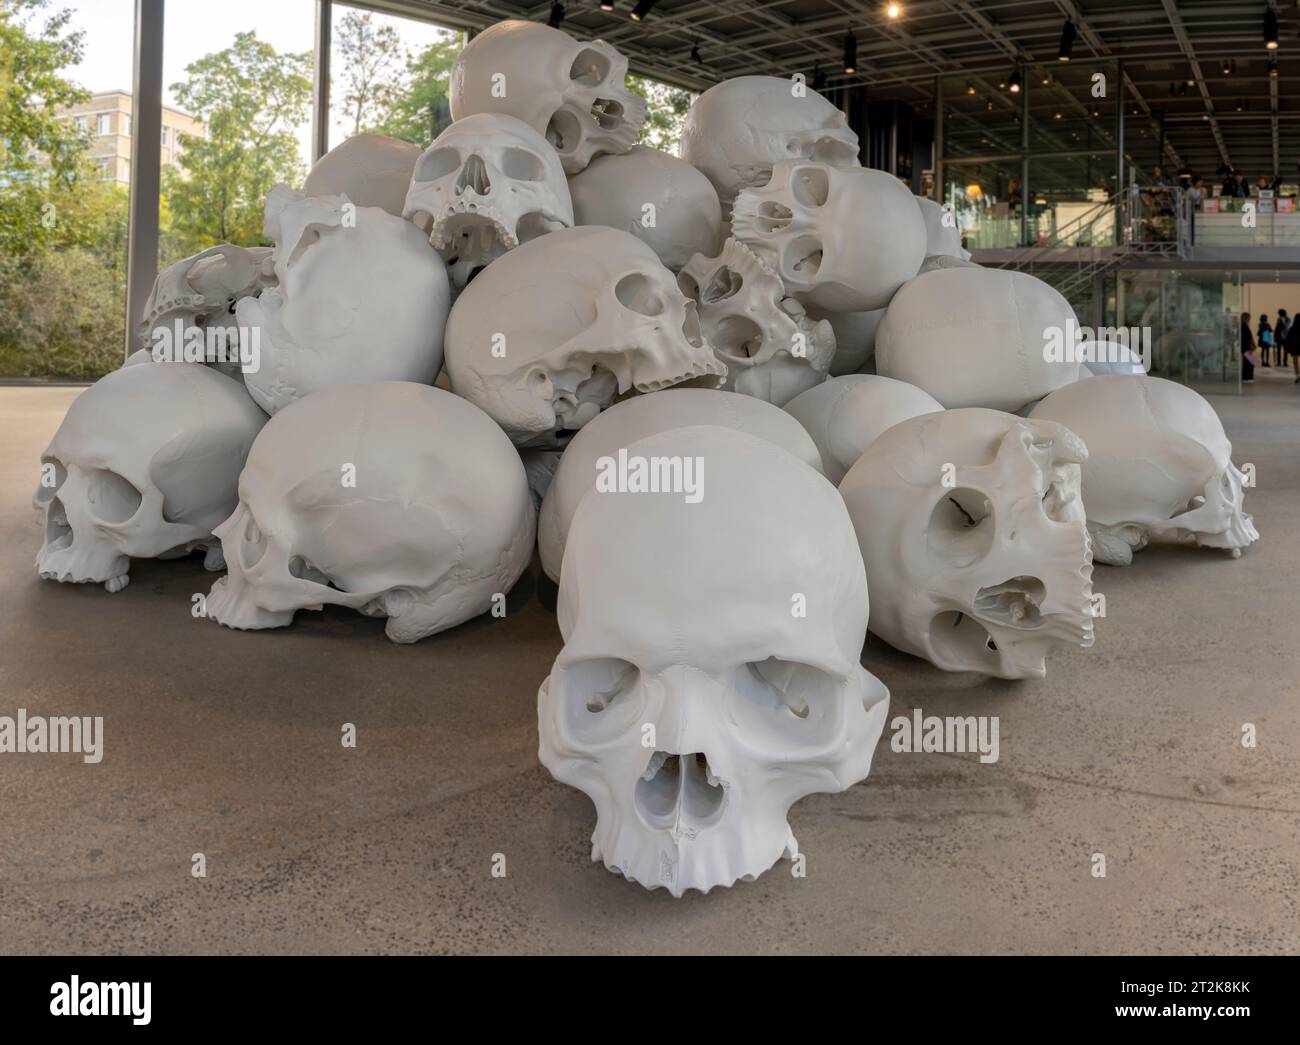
{"points": [[65, 133], [1193, 318], [1027, 157], [389, 75]]}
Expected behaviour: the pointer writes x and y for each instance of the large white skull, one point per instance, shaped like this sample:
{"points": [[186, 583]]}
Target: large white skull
{"points": [[656, 197], [392, 498], [690, 702], [638, 417], [772, 350], [942, 236], [145, 464], [571, 93], [1159, 466], [488, 183], [548, 335], [372, 170], [202, 291], [847, 414], [973, 535], [360, 297], [840, 239], [976, 337], [739, 129]]}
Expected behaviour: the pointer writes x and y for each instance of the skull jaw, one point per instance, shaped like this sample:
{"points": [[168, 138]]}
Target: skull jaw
{"points": [[78, 564]]}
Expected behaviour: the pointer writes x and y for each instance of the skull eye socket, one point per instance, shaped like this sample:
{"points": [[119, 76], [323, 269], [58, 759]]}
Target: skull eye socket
{"points": [[811, 186], [522, 165], [53, 475], [777, 703], [110, 498], [636, 292], [252, 544], [437, 163], [590, 68], [601, 696], [961, 526]]}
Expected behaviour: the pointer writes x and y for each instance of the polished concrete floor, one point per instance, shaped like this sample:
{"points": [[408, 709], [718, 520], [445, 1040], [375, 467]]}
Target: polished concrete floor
{"points": [[228, 744]]}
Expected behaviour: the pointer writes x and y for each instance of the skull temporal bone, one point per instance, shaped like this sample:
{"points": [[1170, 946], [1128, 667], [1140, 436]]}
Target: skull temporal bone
{"points": [[973, 534], [752, 707], [435, 521], [552, 332], [571, 93], [840, 239], [1159, 466], [146, 462], [488, 183]]}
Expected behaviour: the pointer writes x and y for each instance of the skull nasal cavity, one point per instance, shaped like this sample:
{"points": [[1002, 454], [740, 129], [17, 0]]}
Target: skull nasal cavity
{"points": [[677, 788], [474, 176]]}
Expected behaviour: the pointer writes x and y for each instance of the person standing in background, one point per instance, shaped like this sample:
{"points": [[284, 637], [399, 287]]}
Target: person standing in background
{"points": [[1264, 338], [1293, 346], [1280, 330], [1247, 348]]}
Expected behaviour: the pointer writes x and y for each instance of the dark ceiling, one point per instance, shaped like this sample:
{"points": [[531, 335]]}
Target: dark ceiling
{"points": [[1173, 53]]}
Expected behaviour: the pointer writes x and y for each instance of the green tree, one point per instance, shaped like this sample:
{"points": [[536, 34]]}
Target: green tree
{"points": [[42, 156], [421, 110], [250, 98], [371, 57], [665, 112]]}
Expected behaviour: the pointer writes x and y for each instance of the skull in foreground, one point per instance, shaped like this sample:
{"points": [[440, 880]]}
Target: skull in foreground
{"points": [[973, 535], [695, 714]]}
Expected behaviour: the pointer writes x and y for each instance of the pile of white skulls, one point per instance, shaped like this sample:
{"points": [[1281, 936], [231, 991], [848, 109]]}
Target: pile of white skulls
{"points": [[741, 384]]}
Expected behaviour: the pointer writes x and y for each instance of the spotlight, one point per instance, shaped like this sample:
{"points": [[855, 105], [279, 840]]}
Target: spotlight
{"points": [[1067, 41], [988, 104], [819, 77], [1058, 115], [1014, 83], [695, 53], [894, 10], [1047, 79], [607, 5], [970, 86], [1272, 67], [850, 55], [1002, 83], [1270, 29], [1096, 114], [638, 13], [557, 16]]}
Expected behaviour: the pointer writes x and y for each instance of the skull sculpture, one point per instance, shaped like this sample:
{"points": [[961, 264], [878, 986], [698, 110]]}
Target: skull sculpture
{"points": [[942, 237], [372, 170], [392, 498], [360, 297], [554, 330], [846, 414], [840, 239], [772, 350], [570, 92], [976, 337], [743, 706], [973, 535], [488, 183], [855, 338], [638, 417], [739, 129], [1159, 466], [656, 197], [144, 465], [201, 291]]}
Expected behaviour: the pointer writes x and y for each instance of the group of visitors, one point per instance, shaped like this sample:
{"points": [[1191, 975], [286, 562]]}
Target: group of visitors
{"points": [[1270, 341]]}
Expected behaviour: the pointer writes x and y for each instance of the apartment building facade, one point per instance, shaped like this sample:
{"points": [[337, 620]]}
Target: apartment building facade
{"points": [[107, 117]]}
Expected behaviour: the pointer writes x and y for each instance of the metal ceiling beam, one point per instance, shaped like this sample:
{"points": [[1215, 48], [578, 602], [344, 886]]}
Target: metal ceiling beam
{"points": [[1189, 51]]}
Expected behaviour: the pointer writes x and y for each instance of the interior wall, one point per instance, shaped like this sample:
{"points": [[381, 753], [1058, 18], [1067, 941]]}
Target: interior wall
{"points": [[1269, 297]]}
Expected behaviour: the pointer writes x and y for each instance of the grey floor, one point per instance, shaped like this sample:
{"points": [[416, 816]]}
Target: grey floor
{"points": [[227, 744]]}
